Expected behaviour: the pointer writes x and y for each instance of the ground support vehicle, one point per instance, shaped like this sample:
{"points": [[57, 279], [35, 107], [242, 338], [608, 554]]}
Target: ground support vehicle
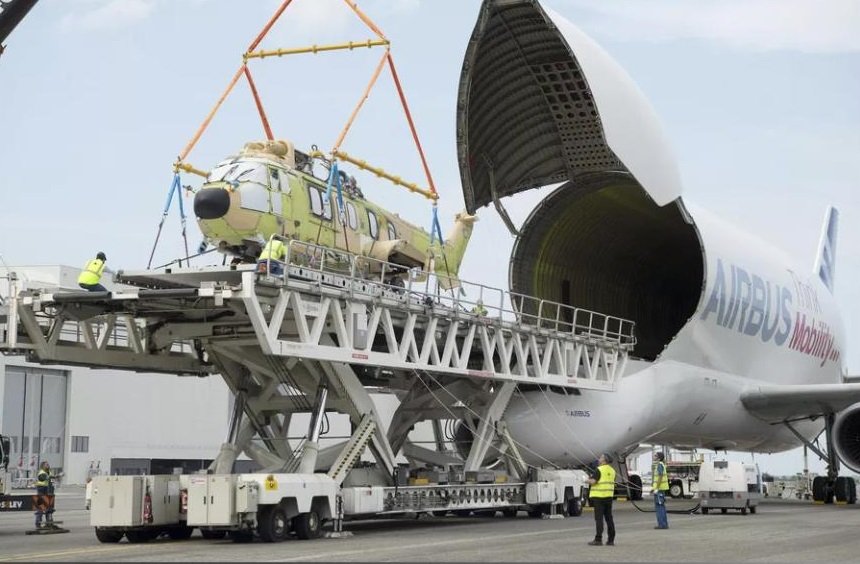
{"points": [[725, 485], [314, 340]]}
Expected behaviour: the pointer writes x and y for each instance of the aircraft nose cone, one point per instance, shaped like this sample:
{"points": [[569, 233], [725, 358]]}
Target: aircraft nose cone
{"points": [[211, 203]]}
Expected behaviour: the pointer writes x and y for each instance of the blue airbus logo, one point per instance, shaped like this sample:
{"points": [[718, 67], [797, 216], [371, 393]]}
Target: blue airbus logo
{"points": [[749, 304]]}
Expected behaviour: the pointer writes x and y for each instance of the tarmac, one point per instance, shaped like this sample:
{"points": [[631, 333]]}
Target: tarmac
{"points": [[781, 531]]}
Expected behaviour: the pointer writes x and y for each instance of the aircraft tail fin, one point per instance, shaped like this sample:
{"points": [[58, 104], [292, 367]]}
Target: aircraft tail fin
{"points": [[825, 262]]}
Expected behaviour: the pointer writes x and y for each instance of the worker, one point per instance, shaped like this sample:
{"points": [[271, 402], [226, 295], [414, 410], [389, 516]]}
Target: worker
{"points": [[479, 309], [659, 487], [600, 494], [91, 275], [44, 502], [272, 257]]}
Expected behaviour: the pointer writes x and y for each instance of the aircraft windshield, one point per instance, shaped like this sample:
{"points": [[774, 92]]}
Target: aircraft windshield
{"points": [[240, 172]]}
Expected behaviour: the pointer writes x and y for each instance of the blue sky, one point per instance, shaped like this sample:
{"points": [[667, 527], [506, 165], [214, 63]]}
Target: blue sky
{"points": [[760, 100]]}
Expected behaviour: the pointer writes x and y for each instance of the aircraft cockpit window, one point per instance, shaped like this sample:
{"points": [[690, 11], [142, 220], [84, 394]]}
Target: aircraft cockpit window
{"points": [[351, 216], [392, 232], [254, 197], [373, 224], [240, 172], [274, 179], [319, 207], [219, 171]]}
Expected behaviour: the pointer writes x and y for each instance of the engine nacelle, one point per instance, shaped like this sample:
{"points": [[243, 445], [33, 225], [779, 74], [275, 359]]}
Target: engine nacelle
{"points": [[846, 436]]}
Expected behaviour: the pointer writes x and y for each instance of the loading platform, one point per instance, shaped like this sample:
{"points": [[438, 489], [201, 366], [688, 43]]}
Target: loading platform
{"points": [[332, 322]]}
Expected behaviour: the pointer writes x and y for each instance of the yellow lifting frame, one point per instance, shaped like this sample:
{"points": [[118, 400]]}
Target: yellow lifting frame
{"points": [[178, 165], [317, 49], [363, 165]]}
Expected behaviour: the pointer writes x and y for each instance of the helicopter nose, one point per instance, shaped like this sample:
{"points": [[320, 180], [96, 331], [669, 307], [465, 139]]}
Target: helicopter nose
{"points": [[211, 203]]}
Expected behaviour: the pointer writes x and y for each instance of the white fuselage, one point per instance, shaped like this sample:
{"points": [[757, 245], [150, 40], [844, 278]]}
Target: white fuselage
{"points": [[760, 320]]}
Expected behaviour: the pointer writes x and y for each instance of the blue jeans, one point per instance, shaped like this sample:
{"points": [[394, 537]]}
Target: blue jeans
{"points": [[660, 509], [93, 287]]}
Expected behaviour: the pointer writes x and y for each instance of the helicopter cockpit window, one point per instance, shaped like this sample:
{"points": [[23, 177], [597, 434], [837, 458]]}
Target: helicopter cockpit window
{"points": [[392, 232], [255, 197], [240, 172], [274, 179], [351, 216], [373, 224], [219, 171], [319, 207]]}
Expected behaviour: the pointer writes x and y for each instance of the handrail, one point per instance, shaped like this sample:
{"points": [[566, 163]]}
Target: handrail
{"points": [[488, 302]]}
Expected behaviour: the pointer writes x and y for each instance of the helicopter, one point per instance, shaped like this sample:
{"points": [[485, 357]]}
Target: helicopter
{"points": [[269, 188]]}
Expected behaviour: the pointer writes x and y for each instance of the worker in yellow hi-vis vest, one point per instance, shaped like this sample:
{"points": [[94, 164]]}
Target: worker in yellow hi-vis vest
{"points": [[600, 495], [43, 501], [659, 487], [91, 275], [270, 260]]}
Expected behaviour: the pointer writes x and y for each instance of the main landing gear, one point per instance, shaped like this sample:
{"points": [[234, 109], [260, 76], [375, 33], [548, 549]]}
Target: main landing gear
{"points": [[832, 487]]}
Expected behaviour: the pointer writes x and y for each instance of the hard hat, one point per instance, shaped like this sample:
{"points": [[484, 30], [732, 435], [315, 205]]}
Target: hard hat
{"points": [[101, 256]]}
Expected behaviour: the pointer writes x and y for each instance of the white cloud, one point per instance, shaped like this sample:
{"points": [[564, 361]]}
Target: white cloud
{"points": [[789, 25], [312, 19], [109, 14], [334, 20]]}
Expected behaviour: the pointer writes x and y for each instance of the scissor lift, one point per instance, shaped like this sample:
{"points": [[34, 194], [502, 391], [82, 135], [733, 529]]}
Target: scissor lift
{"points": [[316, 338]]}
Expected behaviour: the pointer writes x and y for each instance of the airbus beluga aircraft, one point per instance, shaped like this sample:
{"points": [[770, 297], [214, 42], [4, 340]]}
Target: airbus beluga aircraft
{"points": [[739, 345]]}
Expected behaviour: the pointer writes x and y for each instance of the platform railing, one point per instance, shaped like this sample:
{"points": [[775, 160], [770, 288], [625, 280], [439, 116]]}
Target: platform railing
{"points": [[376, 277]]}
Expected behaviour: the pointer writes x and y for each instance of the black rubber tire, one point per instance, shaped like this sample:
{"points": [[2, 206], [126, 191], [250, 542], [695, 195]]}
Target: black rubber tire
{"points": [[439, 513], [743, 510], [634, 487], [844, 488], [574, 507], [180, 533], [108, 535], [510, 512], [564, 507], [852, 498], [138, 536], [272, 523], [753, 509], [209, 534], [723, 510], [819, 488], [307, 525], [676, 490], [705, 511]]}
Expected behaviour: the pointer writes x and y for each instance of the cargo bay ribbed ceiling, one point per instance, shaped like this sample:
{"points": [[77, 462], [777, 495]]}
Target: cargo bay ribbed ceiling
{"points": [[530, 111], [539, 104]]}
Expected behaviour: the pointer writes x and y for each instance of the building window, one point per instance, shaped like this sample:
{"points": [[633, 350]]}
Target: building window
{"points": [[80, 443], [50, 445]]}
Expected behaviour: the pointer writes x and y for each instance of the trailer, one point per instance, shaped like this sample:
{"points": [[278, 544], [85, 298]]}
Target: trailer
{"points": [[273, 506]]}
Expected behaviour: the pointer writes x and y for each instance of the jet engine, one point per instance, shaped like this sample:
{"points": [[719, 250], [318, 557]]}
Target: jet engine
{"points": [[846, 436]]}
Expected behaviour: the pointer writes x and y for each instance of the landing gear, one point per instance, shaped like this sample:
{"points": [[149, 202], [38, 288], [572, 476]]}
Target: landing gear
{"points": [[634, 487], [845, 490], [832, 487]]}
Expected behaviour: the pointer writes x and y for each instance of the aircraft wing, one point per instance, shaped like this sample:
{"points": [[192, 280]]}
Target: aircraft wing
{"points": [[780, 403]]}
